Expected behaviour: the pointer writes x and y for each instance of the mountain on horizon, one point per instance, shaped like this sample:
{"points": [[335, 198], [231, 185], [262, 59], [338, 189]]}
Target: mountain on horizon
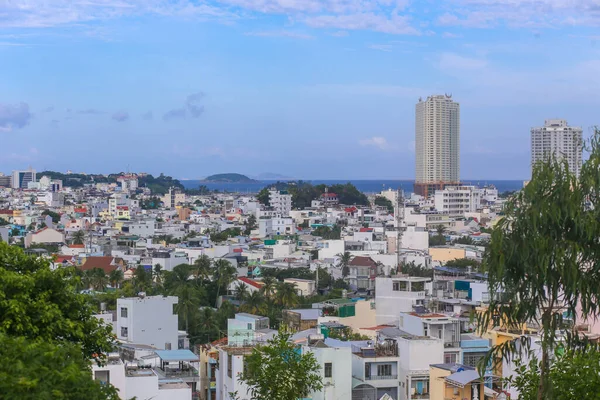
{"points": [[268, 176]]}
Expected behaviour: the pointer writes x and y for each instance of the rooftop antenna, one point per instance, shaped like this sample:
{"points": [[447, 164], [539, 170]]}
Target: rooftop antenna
{"points": [[400, 225]]}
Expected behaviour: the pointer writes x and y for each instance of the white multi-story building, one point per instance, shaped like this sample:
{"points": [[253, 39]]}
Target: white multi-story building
{"points": [[438, 326], [148, 320], [556, 138], [173, 198], [437, 143], [268, 227], [457, 200], [281, 202], [336, 370], [398, 294]]}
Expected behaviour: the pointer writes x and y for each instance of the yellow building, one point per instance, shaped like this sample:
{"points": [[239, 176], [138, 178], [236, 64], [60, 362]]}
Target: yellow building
{"points": [[457, 382], [445, 254]]}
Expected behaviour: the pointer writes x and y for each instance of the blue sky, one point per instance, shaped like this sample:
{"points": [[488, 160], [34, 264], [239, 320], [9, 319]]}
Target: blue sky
{"points": [[305, 88]]}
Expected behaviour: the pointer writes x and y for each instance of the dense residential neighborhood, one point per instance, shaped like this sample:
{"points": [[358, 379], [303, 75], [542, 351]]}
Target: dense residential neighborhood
{"points": [[381, 293]]}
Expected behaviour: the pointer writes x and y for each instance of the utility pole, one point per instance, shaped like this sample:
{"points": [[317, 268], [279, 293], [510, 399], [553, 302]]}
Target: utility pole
{"points": [[399, 225]]}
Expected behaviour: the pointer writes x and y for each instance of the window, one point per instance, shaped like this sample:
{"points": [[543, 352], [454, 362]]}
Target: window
{"points": [[123, 312], [124, 331], [102, 376], [471, 359], [229, 362], [328, 370], [384, 370], [449, 358]]}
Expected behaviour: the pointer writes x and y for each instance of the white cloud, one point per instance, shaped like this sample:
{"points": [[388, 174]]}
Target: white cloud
{"points": [[288, 34], [375, 141], [340, 34], [450, 35], [454, 61], [393, 24], [382, 47]]}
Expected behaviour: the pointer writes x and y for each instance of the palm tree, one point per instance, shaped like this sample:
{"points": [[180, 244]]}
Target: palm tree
{"points": [[441, 229], [207, 326], [268, 287], [287, 294], [115, 278], [99, 279], [157, 274], [202, 267], [189, 300], [254, 304], [86, 279], [343, 263], [224, 274], [142, 278], [78, 237], [241, 291]]}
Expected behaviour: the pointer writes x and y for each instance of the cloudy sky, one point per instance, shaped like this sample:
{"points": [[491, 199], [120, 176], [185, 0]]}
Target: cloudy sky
{"points": [[305, 88]]}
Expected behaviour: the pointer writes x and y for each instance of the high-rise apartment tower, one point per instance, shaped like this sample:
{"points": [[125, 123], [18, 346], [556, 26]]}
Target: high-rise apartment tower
{"points": [[437, 144], [557, 138]]}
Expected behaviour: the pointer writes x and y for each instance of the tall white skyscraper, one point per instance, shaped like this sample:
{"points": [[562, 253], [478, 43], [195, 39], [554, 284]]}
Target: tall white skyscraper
{"points": [[557, 138], [437, 143]]}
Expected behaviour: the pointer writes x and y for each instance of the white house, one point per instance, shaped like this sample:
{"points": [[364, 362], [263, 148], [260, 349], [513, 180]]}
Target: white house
{"points": [[148, 320], [336, 370], [398, 294], [281, 202]]}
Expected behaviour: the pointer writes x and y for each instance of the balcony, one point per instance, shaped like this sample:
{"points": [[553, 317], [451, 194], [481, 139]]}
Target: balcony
{"points": [[380, 377], [379, 350], [451, 345]]}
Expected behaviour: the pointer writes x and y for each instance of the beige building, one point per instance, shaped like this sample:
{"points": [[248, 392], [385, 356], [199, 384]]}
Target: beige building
{"points": [[437, 143], [304, 287], [457, 382], [445, 254], [44, 236]]}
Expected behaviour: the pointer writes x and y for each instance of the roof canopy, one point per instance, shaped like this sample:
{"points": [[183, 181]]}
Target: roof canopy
{"points": [[176, 355]]}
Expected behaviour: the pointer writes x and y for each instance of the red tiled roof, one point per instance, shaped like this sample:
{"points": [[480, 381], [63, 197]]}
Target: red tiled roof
{"points": [[366, 229], [230, 218], [76, 246], [351, 209], [238, 250], [81, 210], [59, 258], [41, 230], [104, 263], [329, 195], [363, 261], [6, 212], [122, 208], [250, 282]]}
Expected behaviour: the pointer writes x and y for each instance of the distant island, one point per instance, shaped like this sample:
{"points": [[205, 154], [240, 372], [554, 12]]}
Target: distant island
{"points": [[228, 178]]}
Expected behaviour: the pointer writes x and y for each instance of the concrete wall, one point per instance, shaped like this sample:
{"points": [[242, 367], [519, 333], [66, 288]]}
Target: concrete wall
{"points": [[339, 386], [150, 321], [445, 254]]}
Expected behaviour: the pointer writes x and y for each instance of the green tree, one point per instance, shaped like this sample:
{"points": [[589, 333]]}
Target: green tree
{"points": [[202, 267], [157, 274], [437, 240], [41, 370], [115, 278], [99, 279], [464, 263], [263, 197], [574, 375], [250, 225], [269, 286], [224, 274], [142, 279], [287, 294], [412, 269], [39, 303], [55, 216], [254, 303], [267, 371], [344, 263], [78, 237], [384, 202], [543, 261], [241, 291], [464, 240]]}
